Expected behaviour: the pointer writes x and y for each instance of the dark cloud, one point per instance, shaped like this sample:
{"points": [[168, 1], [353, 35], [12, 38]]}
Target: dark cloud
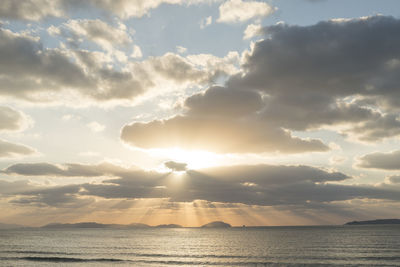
{"points": [[383, 161], [310, 74], [175, 166], [29, 9], [9, 150], [219, 101], [15, 187], [37, 69], [332, 58], [12, 120], [264, 185], [395, 179], [66, 170], [63, 73]]}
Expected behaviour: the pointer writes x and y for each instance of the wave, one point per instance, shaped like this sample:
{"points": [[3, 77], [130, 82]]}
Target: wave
{"points": [[38, 252], [224, 263], [63, 259], [189, 256]]}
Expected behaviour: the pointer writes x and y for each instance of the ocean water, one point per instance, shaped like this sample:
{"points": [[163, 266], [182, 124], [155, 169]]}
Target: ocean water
{"points": [[267, 246]]}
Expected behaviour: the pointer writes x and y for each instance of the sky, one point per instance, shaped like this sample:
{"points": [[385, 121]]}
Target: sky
{"points": [[170, 111]]}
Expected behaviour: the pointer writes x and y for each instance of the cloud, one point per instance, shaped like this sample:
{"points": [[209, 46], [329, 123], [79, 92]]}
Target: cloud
{"points": [[175, 166], [333, 68], [299, 78], [385, 126], [106, 36], [66, 170], [264, 185], [233, 11], [113, 39], [394, 179], [181, 49], [383, 161], [205, 22], [219, 120], [30, 10], [252, 30], [127, 8], [10, 150], [12, 120], [175, 67], [15, 187], [136, 52], [35, 10], [96, 127], [174, 72], [37, 69], [63, 75], [56, 196]]}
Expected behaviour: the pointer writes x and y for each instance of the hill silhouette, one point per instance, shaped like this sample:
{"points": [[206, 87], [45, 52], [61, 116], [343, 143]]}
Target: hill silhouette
{"points": [[216, 224], [379, 221]]}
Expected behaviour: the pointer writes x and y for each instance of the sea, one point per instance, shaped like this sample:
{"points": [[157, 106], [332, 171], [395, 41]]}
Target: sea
{"points": [[368, 245]]}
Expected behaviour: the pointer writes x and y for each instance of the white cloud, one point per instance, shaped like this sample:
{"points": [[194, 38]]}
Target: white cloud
{"points": [[106, 36], [96, 127], [233, 11], [181, 49], [13, 120], [205, 22], [252, 30], [337, 160], [39, 9], [136, 52]]}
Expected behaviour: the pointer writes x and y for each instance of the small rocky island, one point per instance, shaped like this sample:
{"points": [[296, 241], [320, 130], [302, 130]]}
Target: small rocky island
{"points": [[372, 222], [216, 224]]}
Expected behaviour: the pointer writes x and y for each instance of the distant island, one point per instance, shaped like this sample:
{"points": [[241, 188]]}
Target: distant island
{"points": [[216, 224], [380, 221], [77, 225]]}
